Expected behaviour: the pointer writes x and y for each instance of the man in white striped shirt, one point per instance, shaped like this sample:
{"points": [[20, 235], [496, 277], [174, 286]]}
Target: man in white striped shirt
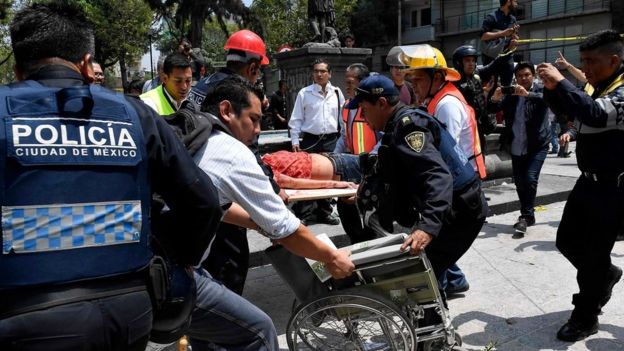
{"points": [[231, 320], [315, 118]]}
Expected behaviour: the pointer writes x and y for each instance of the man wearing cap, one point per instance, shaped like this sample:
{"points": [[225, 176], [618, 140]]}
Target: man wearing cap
{"points": [[417, 158], [316, 119]]}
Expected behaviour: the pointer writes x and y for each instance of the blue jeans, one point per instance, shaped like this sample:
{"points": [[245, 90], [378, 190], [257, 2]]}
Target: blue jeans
{"points": [[223, 320], [526, 171], [454, 278], [555, 129], [347, 166]]}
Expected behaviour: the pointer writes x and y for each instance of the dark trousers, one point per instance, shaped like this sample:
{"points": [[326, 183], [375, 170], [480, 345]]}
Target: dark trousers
{"points": [[526, 171], [316, 143], [591, 219], [456, 237], [228, 260], [352, 223], [121, 322], [505, 72]]}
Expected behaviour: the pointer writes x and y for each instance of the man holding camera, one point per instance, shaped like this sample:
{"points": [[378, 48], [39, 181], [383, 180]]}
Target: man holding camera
{"points": [[526, 136]]}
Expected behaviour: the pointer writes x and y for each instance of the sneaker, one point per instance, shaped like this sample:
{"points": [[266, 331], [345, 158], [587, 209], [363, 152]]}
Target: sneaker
{"points": [[521, 226], [615, 274], [306, 221], [575, 331], [553, 152], [331, 220]]}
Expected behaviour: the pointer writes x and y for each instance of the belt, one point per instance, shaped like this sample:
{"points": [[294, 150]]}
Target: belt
{"points": [[616, 179], [19, 301]]}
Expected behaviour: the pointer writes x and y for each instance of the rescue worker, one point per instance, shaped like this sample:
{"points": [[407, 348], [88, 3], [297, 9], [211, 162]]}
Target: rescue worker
{"points": [[79, 165], [356, 137], [592, 215], [432, 82], [167, 97], [229, 257], [416, 160]]}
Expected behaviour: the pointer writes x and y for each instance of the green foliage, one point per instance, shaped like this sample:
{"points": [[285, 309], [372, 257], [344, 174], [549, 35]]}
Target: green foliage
{"points": [[6, 56], [121, 28], [286, 21], [374, 21]]}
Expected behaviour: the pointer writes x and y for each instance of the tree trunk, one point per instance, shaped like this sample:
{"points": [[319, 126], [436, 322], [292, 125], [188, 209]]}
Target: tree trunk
{"points": [[198, 17], [124, 72]]}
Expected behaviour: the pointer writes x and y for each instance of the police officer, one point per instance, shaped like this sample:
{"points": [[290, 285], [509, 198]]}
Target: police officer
{"points": [[593, 213], [471, 86], [445, 213], [77, 162]]}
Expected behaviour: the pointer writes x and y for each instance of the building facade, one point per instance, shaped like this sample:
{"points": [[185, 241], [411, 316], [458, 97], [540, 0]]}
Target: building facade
{"points": [[448, 24]]}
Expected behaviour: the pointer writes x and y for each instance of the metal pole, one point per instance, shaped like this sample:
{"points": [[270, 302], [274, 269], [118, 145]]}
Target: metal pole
{"points": [[151, 62], [399, 25]]}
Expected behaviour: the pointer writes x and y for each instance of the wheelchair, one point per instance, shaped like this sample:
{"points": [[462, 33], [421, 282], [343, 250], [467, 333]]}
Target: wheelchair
{"points": [[391, 302]]}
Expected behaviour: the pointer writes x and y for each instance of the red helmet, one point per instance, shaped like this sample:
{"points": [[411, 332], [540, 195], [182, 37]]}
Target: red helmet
{"points": [[248, 41]]}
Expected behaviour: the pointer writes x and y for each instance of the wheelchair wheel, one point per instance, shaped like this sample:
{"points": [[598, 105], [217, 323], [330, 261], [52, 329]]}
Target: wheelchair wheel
{"points": [[350, 320]]}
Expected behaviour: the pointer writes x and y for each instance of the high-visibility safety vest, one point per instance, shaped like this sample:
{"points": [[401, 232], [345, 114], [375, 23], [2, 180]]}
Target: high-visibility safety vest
{"points": [[477, 156], [359, 136], [163, 105], [75, 189]]}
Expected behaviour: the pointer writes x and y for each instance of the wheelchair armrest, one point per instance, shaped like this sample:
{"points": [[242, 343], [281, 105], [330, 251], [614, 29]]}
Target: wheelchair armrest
{"points": [[377, 254]]}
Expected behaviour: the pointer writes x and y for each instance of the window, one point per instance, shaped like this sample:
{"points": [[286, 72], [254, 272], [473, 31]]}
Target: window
{"points": [[421, 17]]}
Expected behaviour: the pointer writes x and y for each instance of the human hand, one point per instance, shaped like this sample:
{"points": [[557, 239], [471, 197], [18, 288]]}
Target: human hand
{"points": [[564, 138], [561, 61], [296, 148], [283, 195], [498, 95], [340, 265], [417, 242], [520, 91], [488, 86], [550, 75]]}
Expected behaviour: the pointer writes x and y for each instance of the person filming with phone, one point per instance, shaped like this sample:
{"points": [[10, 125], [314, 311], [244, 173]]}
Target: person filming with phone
{"points": [[526, 136]]}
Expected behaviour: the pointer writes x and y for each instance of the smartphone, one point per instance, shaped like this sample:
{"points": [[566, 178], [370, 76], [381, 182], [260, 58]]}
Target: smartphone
{"points": [[508, 90]]}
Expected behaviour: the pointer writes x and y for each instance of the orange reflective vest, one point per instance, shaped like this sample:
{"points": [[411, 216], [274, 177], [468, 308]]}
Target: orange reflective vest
{"points": [[358, 135], [477, 156]]}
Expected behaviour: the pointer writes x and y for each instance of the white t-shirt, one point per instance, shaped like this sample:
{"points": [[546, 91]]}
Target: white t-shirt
{"points": [[451, 112]]}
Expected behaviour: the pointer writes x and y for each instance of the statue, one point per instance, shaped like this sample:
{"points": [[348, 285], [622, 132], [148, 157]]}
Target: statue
{"points": [[333, 41], [321, 14]]}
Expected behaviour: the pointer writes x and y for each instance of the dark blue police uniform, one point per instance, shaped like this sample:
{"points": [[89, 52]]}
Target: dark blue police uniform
{"points": [[593, 213], [80, 164], [430, 187]]}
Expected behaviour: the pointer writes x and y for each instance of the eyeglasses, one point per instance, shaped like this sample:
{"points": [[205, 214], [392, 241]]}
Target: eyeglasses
{"points": [[98, 74], [320, 71]]}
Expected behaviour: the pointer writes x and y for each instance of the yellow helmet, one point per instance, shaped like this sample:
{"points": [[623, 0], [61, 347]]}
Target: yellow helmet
{"points": [[423, 56]]}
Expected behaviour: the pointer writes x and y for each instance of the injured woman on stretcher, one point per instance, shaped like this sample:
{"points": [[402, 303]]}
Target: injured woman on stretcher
{"points": [[302, 170]]}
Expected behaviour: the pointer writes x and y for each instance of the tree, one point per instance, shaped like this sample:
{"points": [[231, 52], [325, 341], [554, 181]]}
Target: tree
{"points": [[374, 21], [188, 17], [121, 31], [6, 52], [286, 21]]}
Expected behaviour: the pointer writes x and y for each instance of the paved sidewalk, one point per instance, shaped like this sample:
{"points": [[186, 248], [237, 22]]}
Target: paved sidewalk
{"points": [[520, 291]]}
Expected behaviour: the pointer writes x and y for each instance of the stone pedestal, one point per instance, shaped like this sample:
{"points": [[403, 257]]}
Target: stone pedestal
{"points": [[296, 65]]}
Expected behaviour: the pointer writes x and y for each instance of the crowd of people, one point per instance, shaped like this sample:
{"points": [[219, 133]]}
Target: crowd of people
{"points": [[106, 204]]}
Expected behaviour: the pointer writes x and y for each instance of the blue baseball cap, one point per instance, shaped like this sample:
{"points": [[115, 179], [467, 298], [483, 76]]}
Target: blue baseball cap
{"points": [[372, 88]]}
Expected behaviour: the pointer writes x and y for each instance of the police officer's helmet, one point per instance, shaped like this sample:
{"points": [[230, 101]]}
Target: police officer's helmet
{"points": [[460, 53]]}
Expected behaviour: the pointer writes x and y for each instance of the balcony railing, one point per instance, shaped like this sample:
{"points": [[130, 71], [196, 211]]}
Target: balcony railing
{"points": [[528, 10], [414, 35]]}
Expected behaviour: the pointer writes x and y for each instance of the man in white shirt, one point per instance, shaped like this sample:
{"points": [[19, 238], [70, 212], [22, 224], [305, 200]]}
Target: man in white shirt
{"points": [[222, 317], [315, 118]]}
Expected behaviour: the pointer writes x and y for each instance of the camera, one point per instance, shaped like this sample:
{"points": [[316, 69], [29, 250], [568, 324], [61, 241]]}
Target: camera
{"points": [[508, 90]]}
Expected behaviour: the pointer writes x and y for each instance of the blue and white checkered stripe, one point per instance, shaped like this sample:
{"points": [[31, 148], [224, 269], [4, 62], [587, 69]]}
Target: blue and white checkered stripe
{"points": [[70, 226]]}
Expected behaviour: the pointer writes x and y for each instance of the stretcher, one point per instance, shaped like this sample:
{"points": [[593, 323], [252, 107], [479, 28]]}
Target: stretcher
{"points": [[316, 194]]}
